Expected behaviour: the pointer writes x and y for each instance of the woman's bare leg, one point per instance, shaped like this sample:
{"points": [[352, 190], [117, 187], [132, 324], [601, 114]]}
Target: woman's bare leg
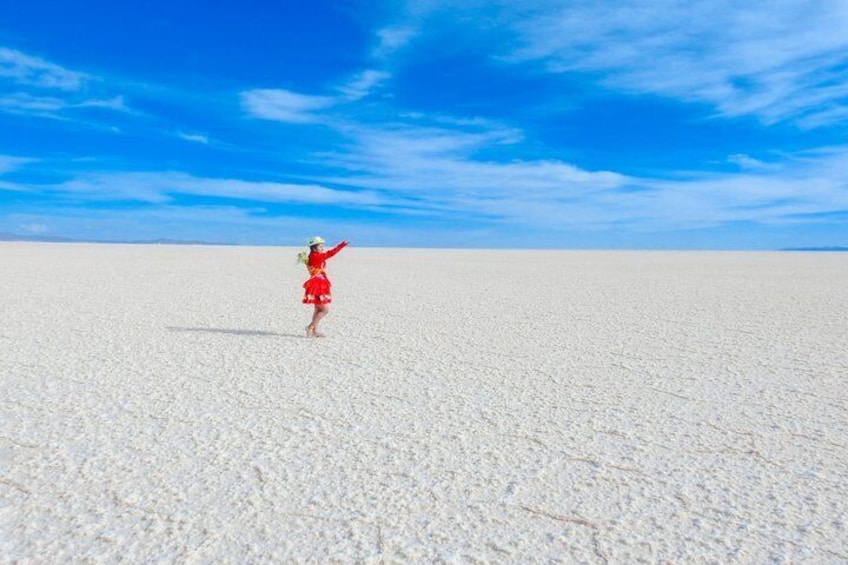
{"points": [[321, 310]]}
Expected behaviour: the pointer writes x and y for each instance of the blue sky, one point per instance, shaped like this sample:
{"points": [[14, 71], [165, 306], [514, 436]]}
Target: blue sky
{"points": [[569, 124]]}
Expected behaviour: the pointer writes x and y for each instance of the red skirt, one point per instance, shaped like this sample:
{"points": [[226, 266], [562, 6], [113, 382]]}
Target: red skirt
{"points": [[317, 290]]}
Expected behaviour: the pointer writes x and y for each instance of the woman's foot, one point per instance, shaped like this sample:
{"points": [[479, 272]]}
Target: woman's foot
{"points": [[312, 332]]}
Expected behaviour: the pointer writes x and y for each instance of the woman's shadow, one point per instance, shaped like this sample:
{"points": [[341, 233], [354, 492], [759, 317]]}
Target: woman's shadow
{"points": [[230, 331]]}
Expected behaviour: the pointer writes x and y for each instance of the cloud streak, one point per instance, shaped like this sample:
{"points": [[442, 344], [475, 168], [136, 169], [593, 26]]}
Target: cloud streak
{"points": [[284, 105], [225, 224], [478, 173], [32, 71], [162, 187], [54, 107], [9, 163], [43, 89], [438, 170], [292, 107], [434, 173], [363, 84], [195, 137], [782, 61], [392, 39]]}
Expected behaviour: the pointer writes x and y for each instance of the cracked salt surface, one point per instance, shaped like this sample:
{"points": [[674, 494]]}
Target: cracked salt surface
{"points": [[160, 403]]}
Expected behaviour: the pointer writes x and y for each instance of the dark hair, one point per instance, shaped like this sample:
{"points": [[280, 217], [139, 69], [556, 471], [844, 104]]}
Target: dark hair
{"points": [[314, 247]]}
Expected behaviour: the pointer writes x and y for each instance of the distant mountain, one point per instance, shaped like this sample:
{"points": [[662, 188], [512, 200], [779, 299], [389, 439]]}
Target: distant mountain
{"points": [[17, 237], [54, 239], [165, 241], [815, 249]]}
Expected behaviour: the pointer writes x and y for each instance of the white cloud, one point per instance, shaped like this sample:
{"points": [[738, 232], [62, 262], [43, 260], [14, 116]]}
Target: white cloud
{"points": [[9, 163], [219, 224], [195, 137], [284, 105], [33, 71], [54, 107], [21, 103], [363, 83], [779, 193], [746, 161], [115, 103], [209, 223], [442, 160], [159, 187], [35, 228], [27, 103], [785, 60], [292, 107], [779, 61], [830, 115], [437, 171], [391, 39]]}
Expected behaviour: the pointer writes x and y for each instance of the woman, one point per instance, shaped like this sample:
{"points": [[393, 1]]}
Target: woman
{"points": [[317, 288]]}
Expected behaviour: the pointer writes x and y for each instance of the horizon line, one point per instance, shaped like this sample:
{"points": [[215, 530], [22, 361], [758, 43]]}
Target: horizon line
{"points": [[12, 237]]}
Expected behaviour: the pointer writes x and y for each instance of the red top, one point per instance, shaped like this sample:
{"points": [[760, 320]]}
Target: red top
{"points": [[318, 260]]}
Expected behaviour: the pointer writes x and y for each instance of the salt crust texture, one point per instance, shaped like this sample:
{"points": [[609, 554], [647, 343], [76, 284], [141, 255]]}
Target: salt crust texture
{"points": [[160, 403]]}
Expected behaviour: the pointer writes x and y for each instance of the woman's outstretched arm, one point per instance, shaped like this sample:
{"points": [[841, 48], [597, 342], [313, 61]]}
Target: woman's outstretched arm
{"points": [[335, 250]]}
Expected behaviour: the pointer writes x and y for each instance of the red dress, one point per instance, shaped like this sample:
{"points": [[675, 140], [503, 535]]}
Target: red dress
{"points": [[317, 288]]}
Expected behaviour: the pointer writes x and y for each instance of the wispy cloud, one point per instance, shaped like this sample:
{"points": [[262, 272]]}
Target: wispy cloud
{"points": [[292, 107], [440, 171], [115, 103], [363, 84], [53, 107], [441, 159], [35, 228], [786, 60], [391, 39], [226, 224], [746, 161], [437, 173], [781, 61], [780, 193], [32, 71], [195, 137], [437, 170], [475, 172], [10, 163], [209, 223], [22, 103], [284, 105], [36, 87], [161, 187]]}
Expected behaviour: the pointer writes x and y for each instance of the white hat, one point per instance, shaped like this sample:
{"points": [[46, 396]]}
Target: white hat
{"points": [[316, 240]]}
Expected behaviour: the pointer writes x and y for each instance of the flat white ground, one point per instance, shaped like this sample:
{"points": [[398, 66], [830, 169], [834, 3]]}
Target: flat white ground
{"points": [[161, 403]]}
